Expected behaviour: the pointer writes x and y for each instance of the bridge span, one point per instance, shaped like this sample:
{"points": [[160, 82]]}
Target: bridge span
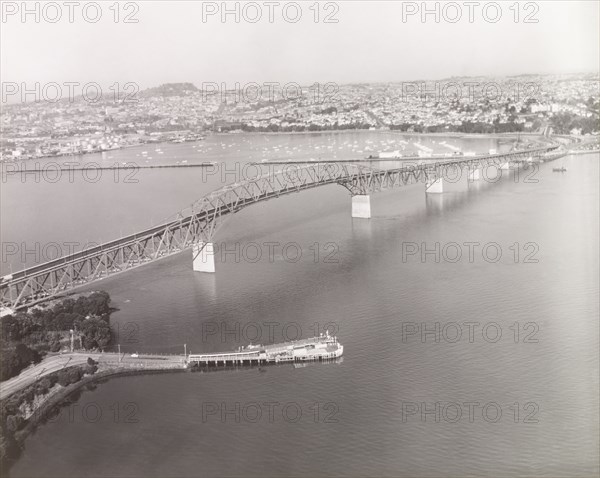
{"points": [[195, 226]]}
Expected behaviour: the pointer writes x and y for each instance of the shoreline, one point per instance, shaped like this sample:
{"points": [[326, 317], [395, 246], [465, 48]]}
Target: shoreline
{"points": [[450, 134], [582, 151], [126, 166], [454, 134]]}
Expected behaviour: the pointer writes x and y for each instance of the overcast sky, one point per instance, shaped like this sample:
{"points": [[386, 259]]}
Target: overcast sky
{"points": [[369, 43]]}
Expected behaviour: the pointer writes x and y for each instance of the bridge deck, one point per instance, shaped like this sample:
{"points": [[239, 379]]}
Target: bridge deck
{"points": [[40, 282]]}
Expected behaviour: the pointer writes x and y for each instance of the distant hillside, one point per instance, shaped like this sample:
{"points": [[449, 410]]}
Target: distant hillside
{"points": [[170, 89]]}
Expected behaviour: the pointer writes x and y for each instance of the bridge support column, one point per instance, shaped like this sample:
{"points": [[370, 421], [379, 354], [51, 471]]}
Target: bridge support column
{"points": [[475, 174], [436, 186], [204, 257], [361, 206]]}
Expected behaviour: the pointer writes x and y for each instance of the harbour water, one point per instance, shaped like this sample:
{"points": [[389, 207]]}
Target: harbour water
{"points": [[517, 334]]}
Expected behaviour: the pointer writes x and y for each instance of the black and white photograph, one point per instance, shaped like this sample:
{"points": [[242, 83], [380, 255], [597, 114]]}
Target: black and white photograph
{"points": [[312, 238]]}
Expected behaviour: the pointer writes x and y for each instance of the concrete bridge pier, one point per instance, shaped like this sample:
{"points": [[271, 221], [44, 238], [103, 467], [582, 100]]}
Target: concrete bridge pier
{"points": [[475, 174], [204, 257], [449, 178], [435, 186], [361, 206], [508, 166]]}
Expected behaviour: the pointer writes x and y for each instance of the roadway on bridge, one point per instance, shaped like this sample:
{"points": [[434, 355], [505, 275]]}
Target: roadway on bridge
{"points": [[40, 282]]}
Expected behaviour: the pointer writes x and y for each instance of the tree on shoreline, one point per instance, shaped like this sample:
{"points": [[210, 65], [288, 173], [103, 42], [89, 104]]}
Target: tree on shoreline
{"points": [[27, 335], [13, 361]]}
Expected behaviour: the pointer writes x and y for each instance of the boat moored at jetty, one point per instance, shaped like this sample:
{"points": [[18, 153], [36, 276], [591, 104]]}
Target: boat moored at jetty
{"points": [[323, 347]]}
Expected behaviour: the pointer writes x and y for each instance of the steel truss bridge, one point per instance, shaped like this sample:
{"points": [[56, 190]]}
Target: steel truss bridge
{"points": [[198, 223]]}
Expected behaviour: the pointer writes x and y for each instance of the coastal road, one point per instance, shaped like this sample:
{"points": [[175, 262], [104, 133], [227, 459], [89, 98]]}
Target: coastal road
{"points": [[57, 362]]}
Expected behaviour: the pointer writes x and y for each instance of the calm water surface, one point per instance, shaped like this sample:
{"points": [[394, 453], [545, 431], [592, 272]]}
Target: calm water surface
{"points": [[357, 415]]}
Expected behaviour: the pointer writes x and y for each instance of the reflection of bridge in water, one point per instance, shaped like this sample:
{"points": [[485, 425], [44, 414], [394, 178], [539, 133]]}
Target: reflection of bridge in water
{"points": [[194, 227]]}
